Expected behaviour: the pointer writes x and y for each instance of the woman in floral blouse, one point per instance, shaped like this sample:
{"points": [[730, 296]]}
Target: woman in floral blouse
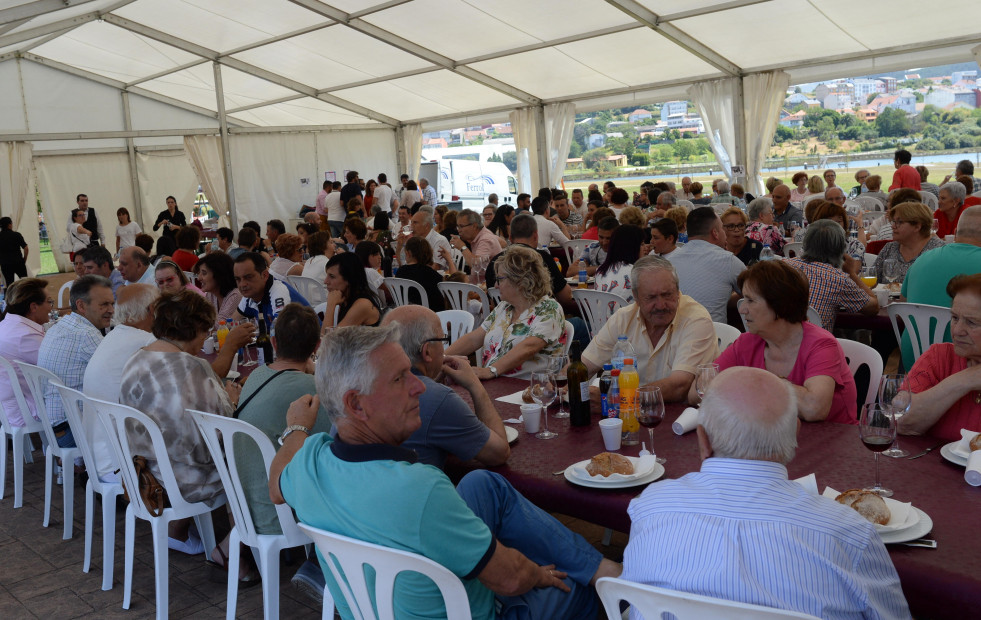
{"points": [[761, 228], [525, 328]]}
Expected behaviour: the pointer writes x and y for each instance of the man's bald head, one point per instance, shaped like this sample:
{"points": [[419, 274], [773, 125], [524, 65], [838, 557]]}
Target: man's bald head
{"points": [[312, 218], [749, 414], [133, 263], [969, 226], [418, 324]]}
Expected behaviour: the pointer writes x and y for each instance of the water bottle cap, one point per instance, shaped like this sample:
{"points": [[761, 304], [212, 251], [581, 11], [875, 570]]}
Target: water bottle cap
{"points": [[607, 366], [622, 337]]}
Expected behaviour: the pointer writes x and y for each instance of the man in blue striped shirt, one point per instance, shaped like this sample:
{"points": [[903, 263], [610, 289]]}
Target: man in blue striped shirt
{"points": [[740, 530]]}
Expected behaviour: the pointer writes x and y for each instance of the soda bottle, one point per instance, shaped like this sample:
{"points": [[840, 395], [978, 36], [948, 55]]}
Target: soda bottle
{"points": [[766, 253], [622, 350], [583, 275], [613, 397], [629, 382], [606, 380]]}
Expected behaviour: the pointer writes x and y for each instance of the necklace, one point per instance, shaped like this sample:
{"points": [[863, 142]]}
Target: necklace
{"points": [[171, 342]]}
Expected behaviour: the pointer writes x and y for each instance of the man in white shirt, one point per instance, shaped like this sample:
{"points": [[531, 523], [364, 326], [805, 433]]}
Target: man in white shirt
{"points": [[578, 203], [618, 200], [335, 210], [706, 270], [134, 266], [384, 196], [133, 321], [422, 226], [738, 529], [549, 229]]}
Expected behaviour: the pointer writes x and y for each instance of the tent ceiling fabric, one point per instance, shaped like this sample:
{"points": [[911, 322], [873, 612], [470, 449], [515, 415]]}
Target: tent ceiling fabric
{"points": [[378, 62]]}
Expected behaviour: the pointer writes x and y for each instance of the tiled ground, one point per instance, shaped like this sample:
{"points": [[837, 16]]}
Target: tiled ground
{"points": [[41, 574]]}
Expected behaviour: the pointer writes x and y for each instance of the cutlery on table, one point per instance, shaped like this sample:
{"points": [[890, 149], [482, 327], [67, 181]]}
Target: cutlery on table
{"points": [[920, 542], [916, 456]]}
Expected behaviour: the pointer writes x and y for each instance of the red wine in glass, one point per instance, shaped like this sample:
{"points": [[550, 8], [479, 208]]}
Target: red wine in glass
{"points": [[875, 443], [561, 382], [649, 421]]}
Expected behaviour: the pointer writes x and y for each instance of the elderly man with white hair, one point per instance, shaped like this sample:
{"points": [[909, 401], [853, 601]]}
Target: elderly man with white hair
{"points": [[723, 196], [739, 529], [422, 226]]}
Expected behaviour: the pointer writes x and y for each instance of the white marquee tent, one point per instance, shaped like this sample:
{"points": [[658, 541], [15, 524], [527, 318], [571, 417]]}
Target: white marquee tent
{"points": [[131, 100]]}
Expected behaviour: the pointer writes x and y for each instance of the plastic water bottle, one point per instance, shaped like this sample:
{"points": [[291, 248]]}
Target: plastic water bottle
{"points": [[622, 350], [766, 253], [613, 396], [583, 275], [858, 254], [605, 382]]}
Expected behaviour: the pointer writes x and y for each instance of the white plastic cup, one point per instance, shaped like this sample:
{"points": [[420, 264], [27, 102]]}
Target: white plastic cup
{"points": [[972, 473], [209, 346], [686, 422], [532, 415], [612, 430], [882, 297]]}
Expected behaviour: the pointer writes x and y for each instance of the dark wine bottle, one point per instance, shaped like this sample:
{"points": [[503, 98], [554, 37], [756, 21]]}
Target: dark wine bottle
{"points": [[264, 342], [578, 388]]}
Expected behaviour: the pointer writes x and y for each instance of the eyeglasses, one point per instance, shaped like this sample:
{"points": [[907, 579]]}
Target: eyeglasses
{"points": [[733, 226], [444, 340], [459, 225], [503, 278]]}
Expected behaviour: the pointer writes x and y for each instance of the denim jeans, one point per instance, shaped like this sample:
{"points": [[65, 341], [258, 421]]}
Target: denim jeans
{"points": [[519, 524], [67, 440]]}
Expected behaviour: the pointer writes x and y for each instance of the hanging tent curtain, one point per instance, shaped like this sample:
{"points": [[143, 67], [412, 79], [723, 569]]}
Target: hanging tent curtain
{"points": [[523, 128], [715, 102], [161, 174], [763, 95], [412, 135], [204, 154], [17, 197], [559, 121]]}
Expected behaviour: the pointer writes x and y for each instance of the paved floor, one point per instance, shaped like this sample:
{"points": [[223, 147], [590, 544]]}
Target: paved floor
{"points": [[41, 574]]}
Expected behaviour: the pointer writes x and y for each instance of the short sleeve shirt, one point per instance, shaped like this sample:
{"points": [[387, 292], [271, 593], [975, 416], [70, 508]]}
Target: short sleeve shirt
{"points": [[328, 481], [544, 320], [277, 295], [708, 274], [935, 365], [449, 426], [829, 288]]}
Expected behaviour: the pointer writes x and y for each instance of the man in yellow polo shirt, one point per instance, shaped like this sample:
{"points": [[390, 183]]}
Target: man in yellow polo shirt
{"points": [[671, 333]]}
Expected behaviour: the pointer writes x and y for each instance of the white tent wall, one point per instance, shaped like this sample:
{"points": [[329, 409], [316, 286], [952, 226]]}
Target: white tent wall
{"points": [[161, 174], [367, 151], [17, 197], [12, 113], [204, 157], [103, 177], [267, 173]]}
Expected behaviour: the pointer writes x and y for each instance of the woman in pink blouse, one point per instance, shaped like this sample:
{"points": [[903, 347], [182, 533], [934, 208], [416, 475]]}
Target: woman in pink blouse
{"points": [[761, 228], [779, 340]]}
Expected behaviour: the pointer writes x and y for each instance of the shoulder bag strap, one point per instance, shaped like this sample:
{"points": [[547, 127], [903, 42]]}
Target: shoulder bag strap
{"points": [[241, 406]]}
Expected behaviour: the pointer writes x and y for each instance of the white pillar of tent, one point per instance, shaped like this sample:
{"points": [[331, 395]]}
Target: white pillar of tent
{"points": [[400, 160], [542, 149], [133, 170], [226, 154], [742, 147]]}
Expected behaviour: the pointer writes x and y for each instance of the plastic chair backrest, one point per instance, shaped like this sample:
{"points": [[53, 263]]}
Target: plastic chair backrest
{"points": [[869, 259], [313, 291], [570, 331], [64, 294], [858, 355], [82, 419], [30, 424], [653, 602], [929, 200], [400, 287], [494, 295], [456, 323], [574, 249], [596, 307], [813, 316], [458, 259], [925, 324], [457, 294], [346, 558], [726, 334], [114, 418], [219, 435], [870, 203], [794, 249], [37, 378]]}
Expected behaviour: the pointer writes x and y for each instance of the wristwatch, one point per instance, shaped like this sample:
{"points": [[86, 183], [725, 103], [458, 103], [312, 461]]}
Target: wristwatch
{"points": [[493, 371], [291, 428]]}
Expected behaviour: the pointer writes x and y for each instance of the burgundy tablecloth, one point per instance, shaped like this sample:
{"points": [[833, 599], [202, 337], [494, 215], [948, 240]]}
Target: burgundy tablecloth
{"points": [[939, 583]]}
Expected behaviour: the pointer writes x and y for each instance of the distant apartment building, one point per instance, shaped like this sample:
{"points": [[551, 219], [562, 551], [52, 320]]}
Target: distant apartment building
{"points": [[792, 121], [686, 122], [964, 76], [837, 101], [967, 97], [671, 108], [940, 97], [890, 84], [639, 115], [864, 87]]}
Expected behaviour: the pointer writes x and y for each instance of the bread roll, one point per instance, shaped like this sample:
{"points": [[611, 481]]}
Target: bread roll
{"points": [[607, 463], [976, 442], [867, 504]]}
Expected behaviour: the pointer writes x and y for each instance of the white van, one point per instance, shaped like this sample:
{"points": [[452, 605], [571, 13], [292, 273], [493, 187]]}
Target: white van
{"points": [[471, 182]]}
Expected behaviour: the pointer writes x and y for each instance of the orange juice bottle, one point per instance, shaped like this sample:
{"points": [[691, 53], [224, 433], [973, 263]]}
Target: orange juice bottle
{"points": [[222, 334], [629, 382]]}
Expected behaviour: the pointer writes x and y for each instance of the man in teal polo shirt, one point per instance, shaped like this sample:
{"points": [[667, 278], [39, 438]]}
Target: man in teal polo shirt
{"points": [[507, 552], [927, 278]]}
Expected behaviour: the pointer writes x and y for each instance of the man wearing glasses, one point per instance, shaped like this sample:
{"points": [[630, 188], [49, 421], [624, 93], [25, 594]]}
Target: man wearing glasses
{"points": [[449, 426], [481, 241]]}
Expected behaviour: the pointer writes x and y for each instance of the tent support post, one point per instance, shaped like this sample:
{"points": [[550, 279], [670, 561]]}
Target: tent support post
{"points": [[226, 155], [400, 160], [739, 109], [542, 150], [134, 177]]}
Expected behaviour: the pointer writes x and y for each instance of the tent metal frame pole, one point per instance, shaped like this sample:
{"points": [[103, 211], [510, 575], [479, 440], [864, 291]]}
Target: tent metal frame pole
{"points": [[541, 146], [739, 122], [226, 154], [133, 170], [400, 156]]}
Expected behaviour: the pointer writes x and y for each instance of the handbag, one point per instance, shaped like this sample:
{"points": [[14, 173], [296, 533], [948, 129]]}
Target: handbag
{"points": [[152, 493], [66, 245]]}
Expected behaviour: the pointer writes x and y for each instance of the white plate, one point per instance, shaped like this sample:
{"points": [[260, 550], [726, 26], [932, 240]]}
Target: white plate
{"points": [[655, 473], [512, 433], [918, 530], [948, 453], [912, 518]]}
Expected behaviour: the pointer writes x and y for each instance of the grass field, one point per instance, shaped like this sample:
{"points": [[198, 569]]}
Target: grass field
{"points": [[48, 264]]}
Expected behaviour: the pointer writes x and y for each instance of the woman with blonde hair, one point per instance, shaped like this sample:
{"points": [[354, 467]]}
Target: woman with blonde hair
{"points": [[815, 185], [911, 236], [524, 329], [680, 217], [289, 256]]}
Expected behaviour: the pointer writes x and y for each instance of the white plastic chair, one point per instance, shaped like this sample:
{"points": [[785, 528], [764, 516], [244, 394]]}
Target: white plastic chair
{"points": [[115, 418], [570, 331], [653, 602], [219, 434], [347, 557], [596, 307], [400, 287], [83, 420], [37, 379], [459, 261], [726, 335], [193, 279], [494, 295], [794, 249], [312, 290], [574, 249], [457, 294], [858, 355], [456, 323], [869, 259], [813, 316], [925, 324], [64, 294], [929, 200], [870, 203], [19, 437]]}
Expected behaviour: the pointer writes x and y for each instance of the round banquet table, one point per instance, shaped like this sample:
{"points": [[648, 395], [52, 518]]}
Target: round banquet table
{"points": [[939, 583]]}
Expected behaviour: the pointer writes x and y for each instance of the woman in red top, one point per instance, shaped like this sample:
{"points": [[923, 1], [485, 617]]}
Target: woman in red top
{"points": [[949, 208], [946, 380], [187, 239]]}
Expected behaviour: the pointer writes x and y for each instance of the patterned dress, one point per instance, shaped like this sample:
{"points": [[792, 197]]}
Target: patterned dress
{"points": [[616, 280], [764, 233], [544, 320]]}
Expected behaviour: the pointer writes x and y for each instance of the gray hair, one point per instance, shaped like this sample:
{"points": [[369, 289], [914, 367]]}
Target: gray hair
{"points": [[832, 189], [969, 224], [427, 215], [472, 218], [342, 363], [956, 190], [722, 187], [737, 436], [648, 264], [669, 196], [671, 185], [825, 242], [136, 308], [413, 335], [757, 207], [82, 289]]}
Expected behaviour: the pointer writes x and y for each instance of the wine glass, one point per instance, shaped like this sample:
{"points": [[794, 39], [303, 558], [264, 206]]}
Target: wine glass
{"points": [[877, 428], [556, 366], [895, 397], [651, 412], [935, 226], [249, 361], [543, 392], [890, 270], [703, 376], [869, 276]]}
